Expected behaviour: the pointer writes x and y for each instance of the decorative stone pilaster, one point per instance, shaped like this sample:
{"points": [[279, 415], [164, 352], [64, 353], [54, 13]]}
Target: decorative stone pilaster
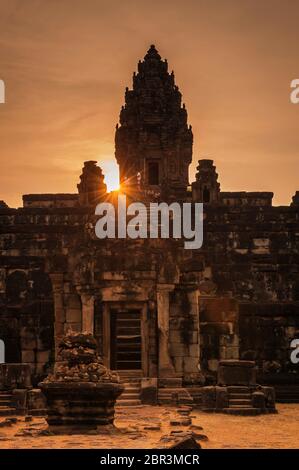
{"points": [[166, 368], [192, 363], [87, 313], [59, 310], [87, 300]]}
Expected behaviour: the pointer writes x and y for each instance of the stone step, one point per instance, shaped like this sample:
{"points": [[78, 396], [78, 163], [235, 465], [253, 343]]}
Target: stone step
{"points": [[120, 403], [238, 401], [242, 410], [131, 380], [131, 384], [236, 396], [7, 411], [130, 393], [5, 395], [238, 389], [245, 405], [129, 373], [132, 388], [5, 402], [129, 398]]}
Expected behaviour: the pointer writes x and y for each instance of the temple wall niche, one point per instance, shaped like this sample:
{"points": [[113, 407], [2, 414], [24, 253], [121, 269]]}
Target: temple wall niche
{"points": [[27, 318], [219, 335]]}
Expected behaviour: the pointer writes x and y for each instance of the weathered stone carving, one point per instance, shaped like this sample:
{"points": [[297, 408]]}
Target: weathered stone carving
{"points": [[81, 393]]}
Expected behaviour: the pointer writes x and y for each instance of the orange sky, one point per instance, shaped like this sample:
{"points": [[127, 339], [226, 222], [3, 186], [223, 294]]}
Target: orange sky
{"points": [[66, 63]]}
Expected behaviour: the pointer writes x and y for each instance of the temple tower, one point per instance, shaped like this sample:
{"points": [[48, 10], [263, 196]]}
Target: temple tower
{"points": [[153, 143], [206, 188], [91, 187]]}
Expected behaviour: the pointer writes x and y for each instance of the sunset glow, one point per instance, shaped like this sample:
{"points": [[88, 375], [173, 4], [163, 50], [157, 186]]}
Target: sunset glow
{"points": [[111, 173], [61, 108]]}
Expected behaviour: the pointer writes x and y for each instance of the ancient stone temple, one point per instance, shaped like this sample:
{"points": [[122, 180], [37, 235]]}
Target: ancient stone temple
{"points": [[162, 315]]}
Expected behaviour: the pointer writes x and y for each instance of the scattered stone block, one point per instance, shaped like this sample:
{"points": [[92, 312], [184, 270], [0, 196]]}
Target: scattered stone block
{"points": [[196, 427], [186, 422], [149, 391], [186, 443]]}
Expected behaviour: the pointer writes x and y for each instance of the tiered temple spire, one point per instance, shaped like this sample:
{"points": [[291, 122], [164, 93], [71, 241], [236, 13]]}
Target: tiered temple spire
{"points": [[153, 144]]}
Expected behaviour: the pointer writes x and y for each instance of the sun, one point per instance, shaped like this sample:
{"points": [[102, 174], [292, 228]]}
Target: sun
{"points": [[111, 173]]}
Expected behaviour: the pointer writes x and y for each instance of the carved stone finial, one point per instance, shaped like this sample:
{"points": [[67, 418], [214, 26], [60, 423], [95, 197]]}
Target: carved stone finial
{"points": [[206, 188], [91, 187]]}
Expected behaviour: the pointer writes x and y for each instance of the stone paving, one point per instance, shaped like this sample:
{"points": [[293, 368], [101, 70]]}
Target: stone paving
{"points": [[154, 427]]}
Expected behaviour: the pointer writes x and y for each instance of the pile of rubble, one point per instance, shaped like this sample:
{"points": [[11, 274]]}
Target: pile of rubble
{"points": [[81, 362]]}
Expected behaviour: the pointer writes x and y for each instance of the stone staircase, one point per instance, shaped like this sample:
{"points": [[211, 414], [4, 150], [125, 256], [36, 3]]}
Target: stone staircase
{"points": [[287, 393], [240, 402], [6, 408], [131, 379]]}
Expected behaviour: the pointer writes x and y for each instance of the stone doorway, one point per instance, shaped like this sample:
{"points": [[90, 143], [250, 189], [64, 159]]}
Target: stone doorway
{"points": [[126, 339]]}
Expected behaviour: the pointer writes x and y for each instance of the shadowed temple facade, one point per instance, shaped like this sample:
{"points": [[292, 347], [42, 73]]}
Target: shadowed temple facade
{"points": [[162, 315]]}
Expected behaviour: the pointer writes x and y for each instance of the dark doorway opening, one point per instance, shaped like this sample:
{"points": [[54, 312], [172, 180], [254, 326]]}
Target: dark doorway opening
{"points": [[153, 173], [206, 195], [125, 342]]}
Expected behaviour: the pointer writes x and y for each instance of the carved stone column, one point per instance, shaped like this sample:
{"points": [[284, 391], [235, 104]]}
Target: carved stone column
{"points": [[166, 368], [59, 310]]}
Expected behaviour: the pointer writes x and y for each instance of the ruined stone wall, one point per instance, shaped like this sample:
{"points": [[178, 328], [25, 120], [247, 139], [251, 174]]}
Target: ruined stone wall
{"points": [[250, 254], [266, 332], [253, 253]]}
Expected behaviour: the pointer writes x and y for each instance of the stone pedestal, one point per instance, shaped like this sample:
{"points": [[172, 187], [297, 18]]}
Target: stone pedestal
{"points": [[231, 372], [79, 407], [81, 393]]}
